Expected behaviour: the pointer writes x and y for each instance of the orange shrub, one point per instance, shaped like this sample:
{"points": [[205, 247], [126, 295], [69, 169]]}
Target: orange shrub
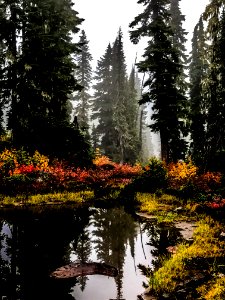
{"points": [[208, 182], [100, 161], [181, 173]]}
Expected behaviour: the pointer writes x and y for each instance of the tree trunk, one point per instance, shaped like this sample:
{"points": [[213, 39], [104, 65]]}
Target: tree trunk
{"points": [[164, 147]]}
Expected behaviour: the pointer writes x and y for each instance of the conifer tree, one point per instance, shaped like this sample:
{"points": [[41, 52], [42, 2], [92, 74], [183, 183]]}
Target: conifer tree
{"points": [[178, 42], [115, 105], [214, 85], [84, 77], [120, 98], [161, 64], [197, 106], [10, 21], [132, 150], [102, 106], [179, 34], [40, 73]]}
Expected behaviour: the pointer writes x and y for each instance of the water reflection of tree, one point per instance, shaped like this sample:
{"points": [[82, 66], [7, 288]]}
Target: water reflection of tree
{"points": [[4, 262], [83, 252], [113, 230], [37, 246], [160, 237], [9, 284]]}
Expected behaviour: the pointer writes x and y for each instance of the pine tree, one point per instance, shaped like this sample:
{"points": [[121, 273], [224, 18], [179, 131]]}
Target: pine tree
{"points": [[84, 77], [214, 85], [40, 73], [161, 64], [178, 42], [115, 105], [102, 106], [197, 106], [10, 21], [133, 148], [144, 137], [176, 23], [120, 98]]}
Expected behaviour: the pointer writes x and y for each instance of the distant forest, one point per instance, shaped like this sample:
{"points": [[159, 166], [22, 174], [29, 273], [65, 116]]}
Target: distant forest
{"points": [[53, 101]]}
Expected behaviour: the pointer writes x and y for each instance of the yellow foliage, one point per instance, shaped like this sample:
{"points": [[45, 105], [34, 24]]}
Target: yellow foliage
{"points": [[102, 160], [40, 160], [213, 291], [9, 157], [174, 270], [181, 172]]}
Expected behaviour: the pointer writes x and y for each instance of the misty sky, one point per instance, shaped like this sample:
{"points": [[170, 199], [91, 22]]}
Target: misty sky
{"points": [[104, 17]]}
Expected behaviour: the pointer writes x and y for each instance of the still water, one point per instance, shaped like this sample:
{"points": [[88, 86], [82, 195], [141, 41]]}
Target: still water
{"points": [[33, 243]]}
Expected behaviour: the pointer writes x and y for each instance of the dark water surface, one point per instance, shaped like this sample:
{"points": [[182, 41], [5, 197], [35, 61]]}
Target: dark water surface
{"points": [[34, 242]]}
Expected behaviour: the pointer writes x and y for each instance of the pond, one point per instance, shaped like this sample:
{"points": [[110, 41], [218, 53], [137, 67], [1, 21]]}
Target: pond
{"points": [[35, 242]]}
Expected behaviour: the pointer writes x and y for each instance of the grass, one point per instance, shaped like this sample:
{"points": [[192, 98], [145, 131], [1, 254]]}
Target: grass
{"points": [[214, 290], [163, 207], [203, 254], [51, 198]]}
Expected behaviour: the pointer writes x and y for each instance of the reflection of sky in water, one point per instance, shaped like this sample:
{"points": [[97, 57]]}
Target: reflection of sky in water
{"points": [[104, 288], [5, 233], [110, 236]]}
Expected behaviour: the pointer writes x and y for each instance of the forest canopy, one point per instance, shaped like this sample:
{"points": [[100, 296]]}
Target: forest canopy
{"points": [[53, 101]]}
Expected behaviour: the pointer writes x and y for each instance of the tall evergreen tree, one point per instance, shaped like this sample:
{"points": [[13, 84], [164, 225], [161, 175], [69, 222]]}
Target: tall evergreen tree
{"points": [[84, 77], [120, 99], [214, 85], [178, 42], [133, 148], [145, 139], [197, 106], [179, 34], [10, 23], [102, 108], [115, 105], [161, 64], [40, 72]]}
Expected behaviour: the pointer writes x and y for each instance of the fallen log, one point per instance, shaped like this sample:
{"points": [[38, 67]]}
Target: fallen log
{"points": [[83, 269]]}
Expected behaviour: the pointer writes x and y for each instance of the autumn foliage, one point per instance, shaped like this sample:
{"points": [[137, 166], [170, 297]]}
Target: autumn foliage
{"points": [[21, 172], [181, 173]]}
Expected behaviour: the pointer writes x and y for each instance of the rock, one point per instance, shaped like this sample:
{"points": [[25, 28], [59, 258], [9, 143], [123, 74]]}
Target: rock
{"points": [[82, 269], [186, 229], [172, 249], [147, 295]]}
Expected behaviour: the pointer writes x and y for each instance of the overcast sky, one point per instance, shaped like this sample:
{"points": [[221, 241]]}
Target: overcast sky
{"points": [[104, 17]]}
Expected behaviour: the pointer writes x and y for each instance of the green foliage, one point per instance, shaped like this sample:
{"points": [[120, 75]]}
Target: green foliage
{"points": [[38, 74], [84, 77], [197, 106], [163, 69], [115, 106], [103, 103], [51, 198], [181, 266], [214, 290], [153, 178], [213, 84]]}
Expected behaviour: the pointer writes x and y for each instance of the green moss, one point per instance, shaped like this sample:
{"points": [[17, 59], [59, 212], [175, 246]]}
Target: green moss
{"points": [[214, 290], [163, 207], [176, 270], [53, 198]]}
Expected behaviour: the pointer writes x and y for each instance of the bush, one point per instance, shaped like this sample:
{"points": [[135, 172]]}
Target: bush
{"points": [[153, 178]]}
